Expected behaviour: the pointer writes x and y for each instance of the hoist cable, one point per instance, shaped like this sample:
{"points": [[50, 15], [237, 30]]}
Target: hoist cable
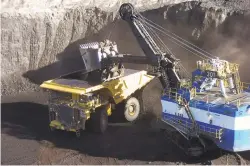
{"points": [[157, 38], [179, 41], [155, 34], [167, 31], [163, 44], [143, 19], [113, 27]]}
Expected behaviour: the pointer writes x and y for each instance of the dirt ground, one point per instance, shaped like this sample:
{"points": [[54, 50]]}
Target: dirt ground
{"points": [[26, 138]]}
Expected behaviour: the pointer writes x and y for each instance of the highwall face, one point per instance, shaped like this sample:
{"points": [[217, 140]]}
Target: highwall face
{"points": [[43, 44]]}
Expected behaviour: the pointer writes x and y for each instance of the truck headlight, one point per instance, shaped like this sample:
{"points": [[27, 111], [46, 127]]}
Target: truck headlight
{"points": [[83, 99]]}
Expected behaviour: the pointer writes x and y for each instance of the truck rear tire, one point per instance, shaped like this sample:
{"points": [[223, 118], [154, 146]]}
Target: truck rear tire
{"points": [[98, 121], [132, 109]]}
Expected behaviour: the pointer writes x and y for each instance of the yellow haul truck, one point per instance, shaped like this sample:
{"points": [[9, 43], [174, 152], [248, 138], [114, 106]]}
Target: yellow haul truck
{"points": [[76, 104]]}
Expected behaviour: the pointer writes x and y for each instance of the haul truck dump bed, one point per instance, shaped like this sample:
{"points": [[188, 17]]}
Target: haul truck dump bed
{"points": [[76, 104]]}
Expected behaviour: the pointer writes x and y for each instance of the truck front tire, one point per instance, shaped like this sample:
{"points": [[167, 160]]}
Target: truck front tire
{"points": [[98, 121]]}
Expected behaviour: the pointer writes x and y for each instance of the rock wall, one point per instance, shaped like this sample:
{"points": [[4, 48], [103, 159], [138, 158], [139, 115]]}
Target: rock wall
{"points": [[40, 39], [30, 43]]}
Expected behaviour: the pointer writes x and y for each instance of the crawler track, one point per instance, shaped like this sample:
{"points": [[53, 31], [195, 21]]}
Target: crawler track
{"points": [[239, 159], [181, 145]]}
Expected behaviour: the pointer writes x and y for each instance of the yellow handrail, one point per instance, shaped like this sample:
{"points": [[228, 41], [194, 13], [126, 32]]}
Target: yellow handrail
{"points": [[205, 65], [172, 93], [244, 85]]}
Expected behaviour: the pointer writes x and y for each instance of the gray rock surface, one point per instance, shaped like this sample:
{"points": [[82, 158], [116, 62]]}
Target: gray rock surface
{"points": [[39, 39]]}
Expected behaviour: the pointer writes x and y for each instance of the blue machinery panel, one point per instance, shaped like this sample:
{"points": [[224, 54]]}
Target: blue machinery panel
{"points": [[233, 121]]}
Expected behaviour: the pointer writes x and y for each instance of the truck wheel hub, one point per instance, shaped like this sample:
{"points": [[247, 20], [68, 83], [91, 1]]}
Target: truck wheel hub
{"points": [[131, 110]]}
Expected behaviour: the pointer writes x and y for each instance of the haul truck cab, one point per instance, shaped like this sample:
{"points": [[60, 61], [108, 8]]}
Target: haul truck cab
{"points": [[76, 105]]}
